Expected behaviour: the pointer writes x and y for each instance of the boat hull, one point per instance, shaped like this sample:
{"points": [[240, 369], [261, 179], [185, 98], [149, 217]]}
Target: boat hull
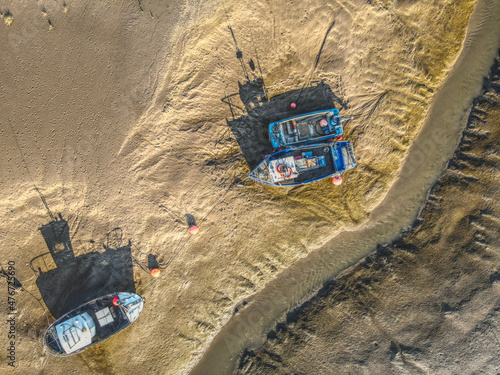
{"points": [[77, 323]]}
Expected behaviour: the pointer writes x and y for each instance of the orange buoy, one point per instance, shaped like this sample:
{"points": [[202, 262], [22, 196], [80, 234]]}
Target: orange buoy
{"points": [[337, 180], [193, 229], [115, 301], [155, 272]]}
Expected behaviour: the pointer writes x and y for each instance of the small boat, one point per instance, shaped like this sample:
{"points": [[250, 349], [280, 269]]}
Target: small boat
{"points": [[304, 164], [92, 323], [311, 127]]}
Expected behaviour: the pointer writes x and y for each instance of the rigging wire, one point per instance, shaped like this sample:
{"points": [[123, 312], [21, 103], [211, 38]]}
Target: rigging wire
{"points": [[151, 289], [41, 305]]}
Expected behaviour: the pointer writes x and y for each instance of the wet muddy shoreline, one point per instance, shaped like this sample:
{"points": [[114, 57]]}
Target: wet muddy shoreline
{"points": [[440, 272], [429, 154]]}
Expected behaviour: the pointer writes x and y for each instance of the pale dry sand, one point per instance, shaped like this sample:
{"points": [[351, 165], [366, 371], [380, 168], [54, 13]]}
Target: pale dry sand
{"points": [[119, 117]]}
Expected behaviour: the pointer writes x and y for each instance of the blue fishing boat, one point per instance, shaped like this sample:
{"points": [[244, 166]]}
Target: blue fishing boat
{"points": [[92, 323], [305, 164], [310, 127]]}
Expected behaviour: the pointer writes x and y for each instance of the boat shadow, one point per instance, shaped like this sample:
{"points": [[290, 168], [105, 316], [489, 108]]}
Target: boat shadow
{"points": [[256, 111], [66, 281]]}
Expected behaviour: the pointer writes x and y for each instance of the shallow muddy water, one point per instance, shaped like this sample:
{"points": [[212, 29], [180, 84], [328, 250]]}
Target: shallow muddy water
{"points": [[426, 160]]}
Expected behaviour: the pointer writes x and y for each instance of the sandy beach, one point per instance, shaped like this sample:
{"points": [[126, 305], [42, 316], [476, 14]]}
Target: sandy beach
{"points": [[124, 118]]}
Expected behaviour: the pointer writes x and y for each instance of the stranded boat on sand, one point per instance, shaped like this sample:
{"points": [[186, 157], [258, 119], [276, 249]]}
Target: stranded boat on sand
{"points": [[304, 164], [306, 128], [91, 323]]}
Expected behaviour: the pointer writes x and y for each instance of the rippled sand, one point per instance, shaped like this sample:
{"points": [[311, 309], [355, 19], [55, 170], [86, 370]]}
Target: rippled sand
{"points": [[117, 111]]}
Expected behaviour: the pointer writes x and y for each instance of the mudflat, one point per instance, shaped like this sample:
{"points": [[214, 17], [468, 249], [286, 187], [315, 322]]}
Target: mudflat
{"points": [[127, 117]]}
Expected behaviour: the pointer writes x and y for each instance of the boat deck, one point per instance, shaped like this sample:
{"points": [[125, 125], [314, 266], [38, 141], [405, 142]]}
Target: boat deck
{"points": [[305, 128]]}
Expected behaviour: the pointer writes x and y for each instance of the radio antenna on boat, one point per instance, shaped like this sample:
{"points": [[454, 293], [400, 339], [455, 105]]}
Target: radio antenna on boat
{"points": [[29, 174]]}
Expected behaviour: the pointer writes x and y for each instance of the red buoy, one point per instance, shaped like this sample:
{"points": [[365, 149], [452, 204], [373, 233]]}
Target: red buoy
{"points": [[293, 105], [155, 272], [339, 138], [337, 180], [193, 229], [115, 301]]}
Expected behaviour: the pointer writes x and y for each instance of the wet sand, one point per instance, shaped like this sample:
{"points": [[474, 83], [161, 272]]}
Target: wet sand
{"points": [[121, 117], [428, 302]]}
